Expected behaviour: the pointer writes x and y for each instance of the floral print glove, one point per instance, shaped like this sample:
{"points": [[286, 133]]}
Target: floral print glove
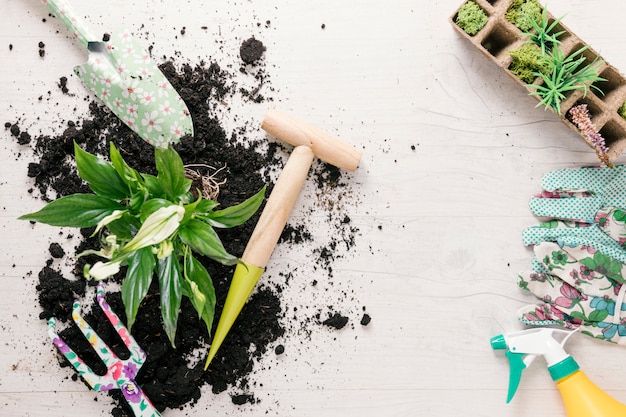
{"points": [[608, 235], [580, 287]]}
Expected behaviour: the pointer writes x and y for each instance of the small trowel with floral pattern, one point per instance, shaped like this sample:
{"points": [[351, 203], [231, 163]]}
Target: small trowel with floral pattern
{"points": [[127, 81], [120, 373]]}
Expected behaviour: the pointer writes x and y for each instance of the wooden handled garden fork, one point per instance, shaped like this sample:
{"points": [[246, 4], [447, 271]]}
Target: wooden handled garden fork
{"points": [[120, 373]]}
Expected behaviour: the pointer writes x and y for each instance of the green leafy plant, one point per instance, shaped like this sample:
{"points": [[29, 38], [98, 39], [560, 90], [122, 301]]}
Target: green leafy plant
{"points": [[559, 74], [523, 13], [154, 226], [527, 61], [471, 18], [542, 32], [567, 75]]}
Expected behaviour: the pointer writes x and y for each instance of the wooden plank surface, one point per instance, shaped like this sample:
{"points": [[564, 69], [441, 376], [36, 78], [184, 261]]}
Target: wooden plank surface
{"points": [[453, 149]]}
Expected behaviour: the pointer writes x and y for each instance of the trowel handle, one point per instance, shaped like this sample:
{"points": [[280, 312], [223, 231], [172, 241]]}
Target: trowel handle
{"points": [[64, 12], [278, 207]]}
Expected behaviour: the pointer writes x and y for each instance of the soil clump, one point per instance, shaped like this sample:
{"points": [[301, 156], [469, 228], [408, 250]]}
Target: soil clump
{"points": [[251, 50]]}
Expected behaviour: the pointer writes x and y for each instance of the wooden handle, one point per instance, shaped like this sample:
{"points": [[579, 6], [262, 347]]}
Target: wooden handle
{"points": [[278, 207], [328, 148]]}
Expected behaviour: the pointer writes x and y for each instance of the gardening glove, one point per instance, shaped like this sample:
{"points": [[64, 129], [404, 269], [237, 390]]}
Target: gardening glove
{"points": [[607, 236], [587, 209], [578, 194], [581, 288]]}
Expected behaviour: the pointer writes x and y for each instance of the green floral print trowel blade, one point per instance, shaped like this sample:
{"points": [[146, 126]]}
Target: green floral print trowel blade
{"points": [[127, 81], [120, 373]]}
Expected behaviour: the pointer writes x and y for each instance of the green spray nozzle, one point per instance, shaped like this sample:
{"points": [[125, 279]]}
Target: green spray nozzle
{"points": [[516, 364], [523, 347]]}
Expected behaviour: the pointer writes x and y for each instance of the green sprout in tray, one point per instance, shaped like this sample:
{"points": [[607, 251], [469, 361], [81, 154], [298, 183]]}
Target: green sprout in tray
{"points": [[559, 74], [567, 75], [542, 33]]}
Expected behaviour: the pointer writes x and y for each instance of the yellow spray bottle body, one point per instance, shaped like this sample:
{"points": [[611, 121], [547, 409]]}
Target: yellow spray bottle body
{"points": [[581, 397]]}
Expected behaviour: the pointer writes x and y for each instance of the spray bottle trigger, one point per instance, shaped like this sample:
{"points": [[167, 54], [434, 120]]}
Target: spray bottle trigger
{"points": [[517, 365]]}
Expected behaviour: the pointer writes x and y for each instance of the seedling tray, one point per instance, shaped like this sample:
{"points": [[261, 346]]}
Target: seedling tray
{"points": [[499, 36]]}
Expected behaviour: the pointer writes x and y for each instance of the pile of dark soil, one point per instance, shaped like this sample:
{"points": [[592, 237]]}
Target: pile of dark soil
{"points": [[172, 377]]}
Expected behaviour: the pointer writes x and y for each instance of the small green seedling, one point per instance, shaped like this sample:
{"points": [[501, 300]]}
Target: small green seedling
{"points": [[567, 75], [543, 32], [541, 57]]}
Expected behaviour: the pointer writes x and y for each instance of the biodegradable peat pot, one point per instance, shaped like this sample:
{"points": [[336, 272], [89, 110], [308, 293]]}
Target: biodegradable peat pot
{"points": [[498, 37]]}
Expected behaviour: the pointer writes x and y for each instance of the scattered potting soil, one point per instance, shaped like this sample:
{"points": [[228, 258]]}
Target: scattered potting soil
{"points": [[172, 378]]}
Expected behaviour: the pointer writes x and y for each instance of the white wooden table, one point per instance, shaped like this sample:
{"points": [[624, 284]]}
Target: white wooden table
{"points": [[453, 149]]}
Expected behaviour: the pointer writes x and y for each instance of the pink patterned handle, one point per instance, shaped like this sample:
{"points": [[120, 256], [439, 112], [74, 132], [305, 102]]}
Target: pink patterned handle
{"points": [[120, 373]]}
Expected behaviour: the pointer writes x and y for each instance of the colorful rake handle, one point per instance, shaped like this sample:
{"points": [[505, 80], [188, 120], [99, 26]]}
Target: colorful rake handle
{"points": [[120, 373]]}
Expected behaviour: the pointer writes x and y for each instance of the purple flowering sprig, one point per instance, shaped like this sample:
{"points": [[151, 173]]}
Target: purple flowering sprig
{"points": [[579, 115]]}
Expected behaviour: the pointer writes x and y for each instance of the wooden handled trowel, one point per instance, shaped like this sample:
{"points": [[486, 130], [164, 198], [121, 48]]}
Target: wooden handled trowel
{"points": [[127, 81]]}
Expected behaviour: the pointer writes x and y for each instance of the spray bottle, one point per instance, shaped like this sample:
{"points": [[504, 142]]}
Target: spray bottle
{"points": [[582, 398]]}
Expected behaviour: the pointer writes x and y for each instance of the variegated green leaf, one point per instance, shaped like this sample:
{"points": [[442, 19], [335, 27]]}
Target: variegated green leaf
{"points": [[137, 282], [171, 294]]}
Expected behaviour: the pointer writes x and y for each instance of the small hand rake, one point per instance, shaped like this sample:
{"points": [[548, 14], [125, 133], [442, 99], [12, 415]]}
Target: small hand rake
{"points": [[120, 373]]}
